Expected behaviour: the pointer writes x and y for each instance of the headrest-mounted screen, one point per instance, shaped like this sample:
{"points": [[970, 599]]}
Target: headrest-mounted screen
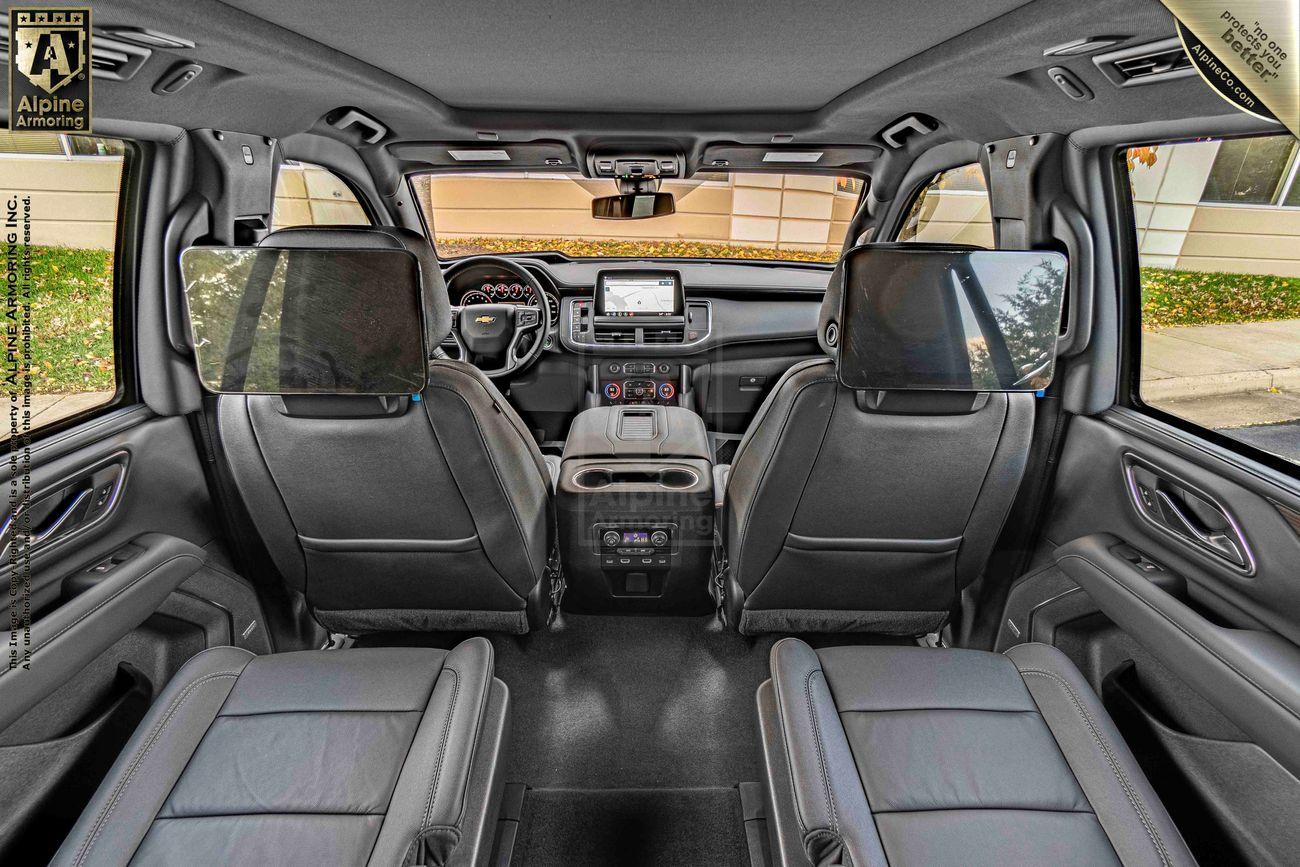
{"points": [[305, 321], [950, 320]]}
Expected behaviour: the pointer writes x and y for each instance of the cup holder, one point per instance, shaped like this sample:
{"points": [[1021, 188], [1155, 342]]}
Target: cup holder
{"points": [[673, 478], [677, 478], [593, 478]]}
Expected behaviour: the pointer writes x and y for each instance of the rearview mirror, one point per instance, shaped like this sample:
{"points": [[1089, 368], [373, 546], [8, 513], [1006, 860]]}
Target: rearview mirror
{"points": [[633, 206]]}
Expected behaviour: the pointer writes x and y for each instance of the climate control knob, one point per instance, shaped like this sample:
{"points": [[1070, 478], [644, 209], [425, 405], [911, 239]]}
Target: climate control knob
{"points": [[667, 390], [611, 538], [658, 538], [613, 390]]}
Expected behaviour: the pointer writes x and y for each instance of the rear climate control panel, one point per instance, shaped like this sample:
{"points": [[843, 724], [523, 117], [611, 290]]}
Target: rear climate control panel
{"points": [[634, 548], [639, 382]]}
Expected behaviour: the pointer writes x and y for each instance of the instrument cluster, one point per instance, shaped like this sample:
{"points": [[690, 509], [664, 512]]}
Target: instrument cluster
{"points": [[511, 292], [469, 287]]}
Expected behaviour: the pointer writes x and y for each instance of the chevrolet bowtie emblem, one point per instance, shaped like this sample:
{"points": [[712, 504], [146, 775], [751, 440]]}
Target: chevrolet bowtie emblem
{"points": [[485, 320]]}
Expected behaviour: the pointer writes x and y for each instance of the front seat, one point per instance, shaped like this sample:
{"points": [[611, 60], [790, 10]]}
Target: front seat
{"points": [[388, 514], [864, 511]]}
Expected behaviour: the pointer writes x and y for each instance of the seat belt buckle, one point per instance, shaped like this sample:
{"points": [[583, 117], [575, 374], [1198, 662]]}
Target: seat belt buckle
{"points": [[555, 575]]}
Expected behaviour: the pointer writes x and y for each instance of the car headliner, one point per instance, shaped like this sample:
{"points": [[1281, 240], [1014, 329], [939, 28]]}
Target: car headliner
{"points": [[585, 72]]}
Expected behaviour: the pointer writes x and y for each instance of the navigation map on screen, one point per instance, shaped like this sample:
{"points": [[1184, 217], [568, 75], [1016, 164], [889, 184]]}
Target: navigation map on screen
{"points": [[635, 296]]}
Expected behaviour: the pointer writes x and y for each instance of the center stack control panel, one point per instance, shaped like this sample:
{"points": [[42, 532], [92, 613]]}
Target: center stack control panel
{"points": [[639, 382], [640, 548]]}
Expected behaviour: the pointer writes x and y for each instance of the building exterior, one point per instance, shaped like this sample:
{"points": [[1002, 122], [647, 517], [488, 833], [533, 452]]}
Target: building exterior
{"points": [[1229, 206], [781, 211]]}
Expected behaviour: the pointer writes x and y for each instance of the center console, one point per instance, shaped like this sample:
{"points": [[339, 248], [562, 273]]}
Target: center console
{"points": [[635, 508]]}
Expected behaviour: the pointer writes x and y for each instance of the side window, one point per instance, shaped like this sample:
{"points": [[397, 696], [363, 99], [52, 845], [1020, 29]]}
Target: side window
{"points": [[59, 211], [1218, 234], [952, 209], [308, 195]]}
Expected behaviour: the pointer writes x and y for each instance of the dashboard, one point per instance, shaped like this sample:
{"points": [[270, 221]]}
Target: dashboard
{"points": [[712, 336]]}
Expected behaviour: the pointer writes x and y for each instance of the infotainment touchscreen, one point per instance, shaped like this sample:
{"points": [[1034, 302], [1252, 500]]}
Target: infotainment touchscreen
{"points": [[638, 293]]}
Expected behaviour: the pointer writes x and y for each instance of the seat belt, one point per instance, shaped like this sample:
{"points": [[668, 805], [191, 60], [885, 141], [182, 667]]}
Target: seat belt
{"points": [[218, 487], [1014, 548]]}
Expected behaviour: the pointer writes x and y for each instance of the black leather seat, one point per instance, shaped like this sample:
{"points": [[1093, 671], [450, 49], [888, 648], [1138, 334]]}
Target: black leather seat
{"points": [[853, 511], [912, 755], [362, 756], [400, 515]]}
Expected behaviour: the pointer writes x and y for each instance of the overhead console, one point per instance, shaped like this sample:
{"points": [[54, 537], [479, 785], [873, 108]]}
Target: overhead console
{"points": [[635, 166]]}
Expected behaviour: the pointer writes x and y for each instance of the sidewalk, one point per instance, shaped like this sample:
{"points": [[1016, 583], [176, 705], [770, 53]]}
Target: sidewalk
{"points": [[1225, 375]]}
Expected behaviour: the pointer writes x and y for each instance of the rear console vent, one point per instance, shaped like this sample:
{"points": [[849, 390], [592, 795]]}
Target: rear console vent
{"points": [[671, 334], [636, 425], [1145, 64]]}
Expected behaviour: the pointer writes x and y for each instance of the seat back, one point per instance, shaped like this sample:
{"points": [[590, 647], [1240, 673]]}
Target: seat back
{"points": [[416, 512], [866, 510]]}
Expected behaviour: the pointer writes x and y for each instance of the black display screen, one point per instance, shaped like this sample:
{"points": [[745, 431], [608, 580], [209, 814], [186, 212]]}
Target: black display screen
{"points": [[950, 319], [624, 293], [305, 321]]}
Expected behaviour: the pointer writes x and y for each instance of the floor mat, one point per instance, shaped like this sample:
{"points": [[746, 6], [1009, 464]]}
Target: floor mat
{"points": [[631, 827], [633, 702]]}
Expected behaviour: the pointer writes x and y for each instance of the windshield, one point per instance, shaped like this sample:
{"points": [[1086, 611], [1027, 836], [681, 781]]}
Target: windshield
{"points": [[777, 217]]}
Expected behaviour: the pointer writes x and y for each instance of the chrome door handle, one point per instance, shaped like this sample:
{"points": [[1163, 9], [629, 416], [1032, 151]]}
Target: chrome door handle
{"points": [[51, 530], [1217, 541]]}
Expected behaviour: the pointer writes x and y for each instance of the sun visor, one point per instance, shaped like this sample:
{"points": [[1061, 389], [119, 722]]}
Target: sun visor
{"points": [[930, 318], [305, 321]]}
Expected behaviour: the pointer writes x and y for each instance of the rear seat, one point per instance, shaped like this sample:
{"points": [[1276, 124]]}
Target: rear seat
{"points": [[912, 755], [361, 756]]}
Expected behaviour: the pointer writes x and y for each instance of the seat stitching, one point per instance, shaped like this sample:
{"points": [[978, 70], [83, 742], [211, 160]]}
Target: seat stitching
{"points": [[1134, 799], [442, 748], [786, 741], [120, 789], [821, 756], [48, 641]]}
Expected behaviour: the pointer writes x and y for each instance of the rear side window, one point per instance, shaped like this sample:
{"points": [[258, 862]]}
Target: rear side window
{"points": [[308, 195], [952, 209], [61, 201], [1218, 234]]}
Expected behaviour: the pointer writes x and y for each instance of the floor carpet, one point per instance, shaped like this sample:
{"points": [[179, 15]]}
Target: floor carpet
{"points": [[631, 828], [633, 702]]}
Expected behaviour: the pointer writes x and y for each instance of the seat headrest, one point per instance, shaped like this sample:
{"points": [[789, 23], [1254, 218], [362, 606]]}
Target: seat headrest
{"points": [[437, 306], [944, 317]]}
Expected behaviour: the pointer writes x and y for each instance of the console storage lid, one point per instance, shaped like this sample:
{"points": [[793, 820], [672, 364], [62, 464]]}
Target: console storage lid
{"points": [[637, 431]]}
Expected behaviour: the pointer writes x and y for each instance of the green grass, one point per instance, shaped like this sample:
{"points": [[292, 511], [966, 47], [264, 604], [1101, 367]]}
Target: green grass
{"points": [[72, 320], [1200, 298]]}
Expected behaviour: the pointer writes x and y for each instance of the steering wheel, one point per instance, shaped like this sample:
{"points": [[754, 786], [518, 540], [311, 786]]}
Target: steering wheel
{"points": [[489, 335]]}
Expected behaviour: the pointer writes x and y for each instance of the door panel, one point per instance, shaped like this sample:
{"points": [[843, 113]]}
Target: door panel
{"points": [[1169, 571], [1093, 495], [127, 583]]}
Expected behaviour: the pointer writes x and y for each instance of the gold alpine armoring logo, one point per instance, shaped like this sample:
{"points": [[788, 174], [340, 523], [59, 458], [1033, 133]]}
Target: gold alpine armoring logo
{"points": [[50, 52]]}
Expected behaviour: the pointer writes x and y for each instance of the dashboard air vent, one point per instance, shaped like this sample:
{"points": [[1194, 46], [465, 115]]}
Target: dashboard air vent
{"points": [[663, 335], [1145, 64], [606, 334]]}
